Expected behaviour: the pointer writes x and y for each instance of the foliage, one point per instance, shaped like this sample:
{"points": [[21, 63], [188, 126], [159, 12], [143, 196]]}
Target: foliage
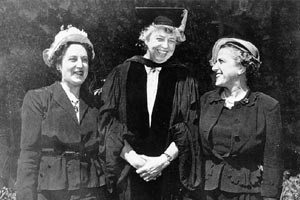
{"points": [[290, 187], [7, 194]]}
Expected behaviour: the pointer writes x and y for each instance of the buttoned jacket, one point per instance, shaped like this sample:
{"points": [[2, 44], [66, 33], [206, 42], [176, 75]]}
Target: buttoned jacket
{"points": [[254, 161], [50, 129]]}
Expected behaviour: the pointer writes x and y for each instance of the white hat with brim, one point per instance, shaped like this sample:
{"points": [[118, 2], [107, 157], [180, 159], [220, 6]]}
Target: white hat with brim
{"points": [[238, 43], [71, 34]]}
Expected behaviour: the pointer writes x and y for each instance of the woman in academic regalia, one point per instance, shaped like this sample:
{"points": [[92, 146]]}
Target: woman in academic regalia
{"points": [[150, 103]]}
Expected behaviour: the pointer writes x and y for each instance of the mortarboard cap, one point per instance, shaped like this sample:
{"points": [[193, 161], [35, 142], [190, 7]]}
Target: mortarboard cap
{"points": [[160, 15], [163, 16]]}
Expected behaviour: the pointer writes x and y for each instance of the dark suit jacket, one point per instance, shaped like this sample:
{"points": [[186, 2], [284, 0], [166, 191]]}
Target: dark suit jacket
{"points": [[254, 162], [49, 129]]}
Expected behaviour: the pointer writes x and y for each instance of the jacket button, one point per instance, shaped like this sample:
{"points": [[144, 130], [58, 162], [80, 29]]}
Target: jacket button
{"points": [[237, 138]]}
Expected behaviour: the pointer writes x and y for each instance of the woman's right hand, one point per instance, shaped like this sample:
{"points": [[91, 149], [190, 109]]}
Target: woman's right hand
{"points": [[153, 168], [135, 160]]}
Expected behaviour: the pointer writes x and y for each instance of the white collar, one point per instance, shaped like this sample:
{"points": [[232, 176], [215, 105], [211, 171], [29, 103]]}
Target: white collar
{"points": [[148, 69], [70, 95], [229, 101]]}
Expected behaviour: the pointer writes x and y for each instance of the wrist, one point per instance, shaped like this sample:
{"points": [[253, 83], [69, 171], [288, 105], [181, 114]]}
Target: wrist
{"points": [[169, 158], [131, 156], [165, 159]]}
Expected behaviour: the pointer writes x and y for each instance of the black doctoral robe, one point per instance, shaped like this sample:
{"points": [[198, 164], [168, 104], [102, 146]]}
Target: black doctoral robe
{"points": [[119, 123]]}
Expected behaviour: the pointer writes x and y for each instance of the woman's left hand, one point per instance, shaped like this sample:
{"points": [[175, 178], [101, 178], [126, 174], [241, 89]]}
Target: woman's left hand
{"points": [[153, 167]]}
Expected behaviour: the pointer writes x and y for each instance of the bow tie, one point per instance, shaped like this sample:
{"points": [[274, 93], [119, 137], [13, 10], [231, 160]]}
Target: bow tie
{"points": [[152, 69]]}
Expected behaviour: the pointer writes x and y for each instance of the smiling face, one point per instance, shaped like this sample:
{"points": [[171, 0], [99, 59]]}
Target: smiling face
{"points": [[228, 70], [74, 65], [160, 45]]}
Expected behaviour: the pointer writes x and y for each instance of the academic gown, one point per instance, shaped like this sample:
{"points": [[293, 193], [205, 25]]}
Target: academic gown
{"points": [[124, 115]]}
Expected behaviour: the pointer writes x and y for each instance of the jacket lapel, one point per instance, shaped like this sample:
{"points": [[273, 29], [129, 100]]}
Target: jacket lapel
{"points": [[213, 116], [62, 99], [83, 108]]}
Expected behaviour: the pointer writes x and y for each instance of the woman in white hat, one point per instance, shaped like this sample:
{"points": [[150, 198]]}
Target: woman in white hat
{"points": [[240, 129], [59, 138]]}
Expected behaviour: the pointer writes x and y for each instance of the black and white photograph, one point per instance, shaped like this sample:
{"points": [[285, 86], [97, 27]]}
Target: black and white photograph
{"points": [[150, 100]]}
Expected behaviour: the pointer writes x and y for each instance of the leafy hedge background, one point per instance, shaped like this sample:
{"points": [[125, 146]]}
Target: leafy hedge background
{"points": [[27, 27]]}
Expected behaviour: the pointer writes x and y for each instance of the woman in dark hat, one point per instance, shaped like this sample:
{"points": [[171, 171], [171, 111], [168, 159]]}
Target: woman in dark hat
{"points": [[149, 104], [59, 138], [240, 129]]}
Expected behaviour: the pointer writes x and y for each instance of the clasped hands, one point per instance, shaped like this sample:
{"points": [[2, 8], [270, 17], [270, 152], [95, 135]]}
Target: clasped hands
{"points": [[149, 168]]}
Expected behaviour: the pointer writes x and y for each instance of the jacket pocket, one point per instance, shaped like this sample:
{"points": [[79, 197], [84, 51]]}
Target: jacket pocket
{"points": [[89, 173], [52, 173], [245, 177]]}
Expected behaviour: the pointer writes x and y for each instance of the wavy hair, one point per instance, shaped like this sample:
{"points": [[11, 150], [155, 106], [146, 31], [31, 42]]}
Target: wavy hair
{"points": [[247, 60]]}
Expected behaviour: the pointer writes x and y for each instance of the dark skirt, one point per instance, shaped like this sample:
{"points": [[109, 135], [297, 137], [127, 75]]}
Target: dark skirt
{"points": [[142, 190], [163, 188], [81, 194], [221, 195]]}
